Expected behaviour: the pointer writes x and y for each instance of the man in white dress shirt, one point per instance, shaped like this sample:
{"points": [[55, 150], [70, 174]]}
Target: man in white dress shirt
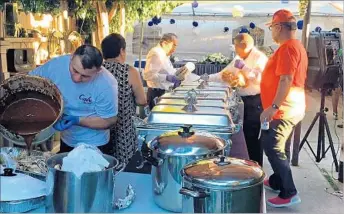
{"points": [[249, 62], [159, 72]]}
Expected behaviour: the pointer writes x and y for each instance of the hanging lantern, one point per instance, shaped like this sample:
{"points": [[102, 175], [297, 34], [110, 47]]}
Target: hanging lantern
{"points": [[155, 20], [244, 30], [225, 29], [150, 23], [194, 4], [299, 24], [318, 29], [195, 24], [172, 21], [252, 25], [238, 11]]}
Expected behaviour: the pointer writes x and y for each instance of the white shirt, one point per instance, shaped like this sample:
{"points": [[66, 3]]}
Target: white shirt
{"points": [[158, 66], [254, 66]]}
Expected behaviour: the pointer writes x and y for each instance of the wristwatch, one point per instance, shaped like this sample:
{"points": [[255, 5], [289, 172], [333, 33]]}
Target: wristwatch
{"points": [[275, 106]]}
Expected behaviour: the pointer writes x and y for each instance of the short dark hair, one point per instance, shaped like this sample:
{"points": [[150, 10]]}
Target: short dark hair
{"points": [[168, 37], [336, 29], [112, 44], [90, 56]]}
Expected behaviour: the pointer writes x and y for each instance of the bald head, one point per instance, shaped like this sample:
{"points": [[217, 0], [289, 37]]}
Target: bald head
{"points": [[243, 44]]}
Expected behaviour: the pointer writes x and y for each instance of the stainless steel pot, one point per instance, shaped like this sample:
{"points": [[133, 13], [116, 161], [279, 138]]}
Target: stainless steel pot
{"points": [[169, 153], [222, 185], [21, 86], [93, 192]]}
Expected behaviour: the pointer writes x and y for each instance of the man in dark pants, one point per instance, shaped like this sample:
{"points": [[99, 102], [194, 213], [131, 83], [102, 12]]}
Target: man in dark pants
{"points": [[159, 72], [284, 102], [249, 63]]}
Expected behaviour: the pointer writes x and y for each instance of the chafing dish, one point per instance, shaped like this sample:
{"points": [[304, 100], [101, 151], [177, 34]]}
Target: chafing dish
{"points": [[200, 96], [203, 103], [205, 83], [164, 118], [224, 92], [204, 87]]}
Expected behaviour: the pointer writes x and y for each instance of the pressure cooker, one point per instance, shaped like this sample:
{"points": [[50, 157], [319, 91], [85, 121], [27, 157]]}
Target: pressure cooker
{"points": [[222, 185], [169, 153]]}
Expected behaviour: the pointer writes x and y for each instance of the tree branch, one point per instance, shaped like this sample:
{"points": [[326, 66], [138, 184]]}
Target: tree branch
{"points": [[113, 11]]}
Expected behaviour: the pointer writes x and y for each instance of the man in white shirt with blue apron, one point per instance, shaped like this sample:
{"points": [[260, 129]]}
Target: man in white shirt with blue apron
{"points": [[249, 62], [90, 98]]}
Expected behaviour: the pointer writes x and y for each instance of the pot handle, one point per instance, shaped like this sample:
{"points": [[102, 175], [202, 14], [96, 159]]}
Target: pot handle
{"points": [[192, 193], [119, 168], [147, 154]]}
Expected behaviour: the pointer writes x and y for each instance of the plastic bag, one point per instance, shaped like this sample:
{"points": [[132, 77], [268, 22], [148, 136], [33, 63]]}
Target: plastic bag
{"points": [[7, 162], [84, 158]]}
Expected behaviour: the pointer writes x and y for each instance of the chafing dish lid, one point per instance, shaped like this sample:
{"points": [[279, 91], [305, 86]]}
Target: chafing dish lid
{"points": [[187, 142], [174, 114], [18, 186], [216, 103], [223, 173], [208, 84], [199, 95]]}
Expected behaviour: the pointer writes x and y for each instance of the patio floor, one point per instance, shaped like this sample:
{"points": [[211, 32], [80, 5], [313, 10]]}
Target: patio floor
{"points": [[313, 180]]}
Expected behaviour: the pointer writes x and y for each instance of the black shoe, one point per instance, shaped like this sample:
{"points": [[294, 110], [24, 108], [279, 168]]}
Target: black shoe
{"points": [[340, 126]]}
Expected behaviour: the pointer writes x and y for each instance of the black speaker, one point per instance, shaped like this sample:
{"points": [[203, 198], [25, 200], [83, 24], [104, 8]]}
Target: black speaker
{"points": [[324, 60]]}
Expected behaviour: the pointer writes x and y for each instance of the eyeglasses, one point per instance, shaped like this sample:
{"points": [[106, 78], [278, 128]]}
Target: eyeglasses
{"points": [[270, 27]]}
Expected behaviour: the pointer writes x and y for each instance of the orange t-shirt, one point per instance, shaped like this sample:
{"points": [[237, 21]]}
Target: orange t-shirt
{"points": [[289, 59]]}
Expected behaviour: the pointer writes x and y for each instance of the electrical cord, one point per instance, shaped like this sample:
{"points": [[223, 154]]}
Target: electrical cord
{"points": [[338, 194], [338, 147], [335, 124]]}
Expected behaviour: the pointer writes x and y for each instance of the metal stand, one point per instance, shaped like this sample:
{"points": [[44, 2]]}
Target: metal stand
{"points": [[321, 151]]}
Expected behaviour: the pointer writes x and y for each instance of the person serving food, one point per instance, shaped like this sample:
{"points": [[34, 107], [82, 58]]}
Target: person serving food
{"points": [[159, 72], [244, 72]]}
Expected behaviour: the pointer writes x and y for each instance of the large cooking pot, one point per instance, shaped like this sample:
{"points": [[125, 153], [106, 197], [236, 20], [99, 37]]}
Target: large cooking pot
{"points": [[222, 185], [94, 192], [169, 153], [24, 87]]}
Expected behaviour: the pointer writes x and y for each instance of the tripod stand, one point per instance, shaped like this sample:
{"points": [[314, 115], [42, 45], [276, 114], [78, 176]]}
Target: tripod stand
{"points": [[321, 151]]}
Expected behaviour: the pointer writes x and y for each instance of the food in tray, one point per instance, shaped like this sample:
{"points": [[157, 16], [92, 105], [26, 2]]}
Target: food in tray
{"points": [[33, 163], [235, 80]]}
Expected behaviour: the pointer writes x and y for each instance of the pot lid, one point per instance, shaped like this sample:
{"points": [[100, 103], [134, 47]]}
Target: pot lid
{"points": [[187, 142], [223, 173], [18, 186]]}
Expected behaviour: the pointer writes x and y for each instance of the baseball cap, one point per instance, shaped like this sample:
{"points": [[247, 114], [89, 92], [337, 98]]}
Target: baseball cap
{"points": [[282, 15]]}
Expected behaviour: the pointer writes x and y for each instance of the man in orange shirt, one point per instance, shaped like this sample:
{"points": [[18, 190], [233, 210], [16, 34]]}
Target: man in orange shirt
{"points": [[284, 104]]}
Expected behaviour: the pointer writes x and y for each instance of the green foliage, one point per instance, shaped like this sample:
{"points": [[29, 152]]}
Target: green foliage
{"points": [[141, 10], [216, 58], [36, 6], [84, 10]]}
